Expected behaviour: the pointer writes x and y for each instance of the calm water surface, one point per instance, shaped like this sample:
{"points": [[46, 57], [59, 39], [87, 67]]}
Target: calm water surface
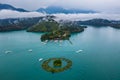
{"points": [[100, 59]]}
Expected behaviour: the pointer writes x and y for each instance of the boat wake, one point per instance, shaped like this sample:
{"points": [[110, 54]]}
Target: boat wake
{"points": [[79, 51]]}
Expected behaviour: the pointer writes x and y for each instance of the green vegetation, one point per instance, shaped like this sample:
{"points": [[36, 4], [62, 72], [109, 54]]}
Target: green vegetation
{"points": [[56, 35], [47, 67], [48, 24], [55, 30], [44, 26], [57, 63], [63, 33], [17, 23]]}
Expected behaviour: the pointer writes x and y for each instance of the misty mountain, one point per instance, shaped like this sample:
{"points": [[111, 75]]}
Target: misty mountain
{"points": [[10, 7], [14, 24], [54, 10], [44, 23], [101, 22]]}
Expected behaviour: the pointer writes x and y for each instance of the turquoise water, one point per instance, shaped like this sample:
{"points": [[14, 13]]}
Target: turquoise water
{"points": [[100, 59]]}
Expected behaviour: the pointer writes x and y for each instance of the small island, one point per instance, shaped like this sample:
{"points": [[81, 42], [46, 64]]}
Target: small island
{"points": [[57, 65]]}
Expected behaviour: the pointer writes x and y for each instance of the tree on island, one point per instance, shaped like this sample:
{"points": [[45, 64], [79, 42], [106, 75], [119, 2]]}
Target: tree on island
{"points": [[57, 63]]}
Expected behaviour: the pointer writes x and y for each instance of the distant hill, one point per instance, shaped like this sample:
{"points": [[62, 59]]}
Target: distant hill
{"points": [[9, 7], [54, 10], [15, 24], [96, 22], [101, 22], [48, 23]]}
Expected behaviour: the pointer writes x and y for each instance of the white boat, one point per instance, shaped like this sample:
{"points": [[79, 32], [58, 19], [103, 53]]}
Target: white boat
{"points": [[40, 59], [60, 41], [6, 52], [30, 50], [44, 43], [79, 51], [56, 41]]}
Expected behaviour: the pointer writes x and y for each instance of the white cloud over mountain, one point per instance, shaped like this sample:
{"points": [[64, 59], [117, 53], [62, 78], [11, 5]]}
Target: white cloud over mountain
{"points": [[89, 16], [14, 14]]}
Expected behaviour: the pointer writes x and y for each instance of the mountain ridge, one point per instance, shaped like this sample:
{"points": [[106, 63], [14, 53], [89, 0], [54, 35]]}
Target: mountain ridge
{"points": [[57, 9], [10, 7]]}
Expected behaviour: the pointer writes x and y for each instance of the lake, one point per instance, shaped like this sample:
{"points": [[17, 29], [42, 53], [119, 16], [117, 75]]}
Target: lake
{"points": [[99, 60]]}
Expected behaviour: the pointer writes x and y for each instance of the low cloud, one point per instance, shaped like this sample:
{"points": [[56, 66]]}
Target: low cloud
{"points": [[15, 14], [82, 17], [72, 17]]}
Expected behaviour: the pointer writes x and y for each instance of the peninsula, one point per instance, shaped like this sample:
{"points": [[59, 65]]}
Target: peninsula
{"points": [[56, 30]]}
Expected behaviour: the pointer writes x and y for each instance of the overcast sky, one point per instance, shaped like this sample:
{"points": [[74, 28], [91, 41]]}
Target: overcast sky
{"points": [[112, 6]]}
